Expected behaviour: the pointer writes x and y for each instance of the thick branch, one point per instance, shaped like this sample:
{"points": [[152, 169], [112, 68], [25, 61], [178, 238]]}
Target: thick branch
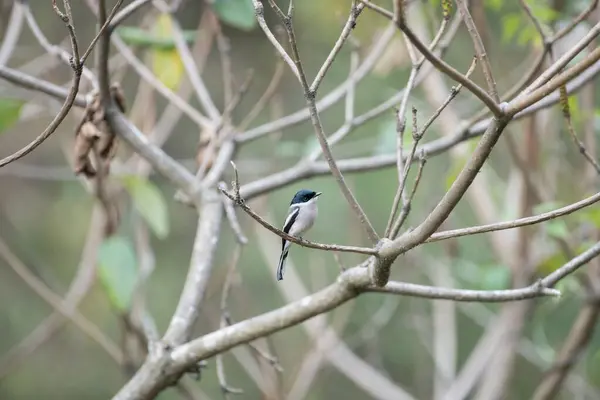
{"points": [[202, 263]]}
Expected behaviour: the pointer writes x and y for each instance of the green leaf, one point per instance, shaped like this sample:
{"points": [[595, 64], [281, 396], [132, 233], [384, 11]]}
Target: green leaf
{"points": [[528, 34], [544, 12], [511, 24], [118, 270], [237, 13], [166, 64], [10, 110], [140, 37], [149, 202]]}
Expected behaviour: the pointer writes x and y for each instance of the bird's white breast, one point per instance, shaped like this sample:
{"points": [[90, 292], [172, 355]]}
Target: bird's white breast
{"points": [[306, 217]]}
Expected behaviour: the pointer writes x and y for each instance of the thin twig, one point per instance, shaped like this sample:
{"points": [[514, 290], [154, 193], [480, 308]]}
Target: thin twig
{"points": [[224, 47], [575, 22], [52, 49], [348, 124], [406, 205], [12, 33], [78, 288], [536, 95], [190, 66], [260, 17], [59, 304], [571, 266], [559, 64], [479, 49], [225, 388], [101, 31], [453, 93], [566, 111], [580, 335], [480, 296], [32, 83], [126, 12], [400, 194], [232, 218], [329, 99], [265, 97], [559, 212], [66, 107], [536, 22], [406, 202], [355, 10], [146, 74], [443, 66], [467, 130]]}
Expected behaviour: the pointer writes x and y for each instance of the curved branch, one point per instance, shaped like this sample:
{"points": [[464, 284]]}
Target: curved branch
{"points": [[58, 119], [559, 212]]}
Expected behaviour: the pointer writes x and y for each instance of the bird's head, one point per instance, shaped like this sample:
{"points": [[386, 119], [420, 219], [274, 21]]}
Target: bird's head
{"points": [[304, 196]]}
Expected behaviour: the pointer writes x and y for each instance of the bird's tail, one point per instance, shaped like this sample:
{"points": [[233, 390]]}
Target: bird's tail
{"points": [[281, 266]]}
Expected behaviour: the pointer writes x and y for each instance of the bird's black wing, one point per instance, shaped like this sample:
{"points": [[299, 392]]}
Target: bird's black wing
{"points": [[291, 218]]}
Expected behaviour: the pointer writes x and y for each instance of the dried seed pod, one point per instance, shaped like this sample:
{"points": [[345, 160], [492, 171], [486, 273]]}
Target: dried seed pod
{"points": [[85, 139], [94, 132]]}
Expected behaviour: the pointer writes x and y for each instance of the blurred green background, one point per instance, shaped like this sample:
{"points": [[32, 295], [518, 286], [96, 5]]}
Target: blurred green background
{"points": [[45, 210]]}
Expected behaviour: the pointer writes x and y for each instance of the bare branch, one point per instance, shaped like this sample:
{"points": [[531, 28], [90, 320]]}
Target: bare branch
{"points": [[544, 90], [487, 296], [265, 97], [579, 338], [101, 31], [390, 250], [149, 77], [516, 223], [563, 61], [201, 265], [571, 266], [190, 66], [260, 17], [567, 114], [66, 107], [12, 33], [126, 13], [328, 100], [355, 11], [57, 303], [400, 193], [447, 68], [79, 287], [31, 82], [225, 388], [479, 49]]}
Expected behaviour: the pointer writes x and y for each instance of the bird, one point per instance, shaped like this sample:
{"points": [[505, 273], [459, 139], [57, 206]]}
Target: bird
{"points": [[301, 217]]}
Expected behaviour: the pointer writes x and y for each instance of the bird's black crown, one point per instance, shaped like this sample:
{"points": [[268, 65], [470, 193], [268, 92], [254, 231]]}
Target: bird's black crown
{"points": [[304, 195]]}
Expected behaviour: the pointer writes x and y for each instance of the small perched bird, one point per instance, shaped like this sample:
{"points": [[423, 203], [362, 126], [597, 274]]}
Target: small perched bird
{"points": [[301, 217]]}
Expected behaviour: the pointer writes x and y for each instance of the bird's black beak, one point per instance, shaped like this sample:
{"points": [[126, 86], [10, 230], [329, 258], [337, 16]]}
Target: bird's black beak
{"points": [[318, 194]]}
